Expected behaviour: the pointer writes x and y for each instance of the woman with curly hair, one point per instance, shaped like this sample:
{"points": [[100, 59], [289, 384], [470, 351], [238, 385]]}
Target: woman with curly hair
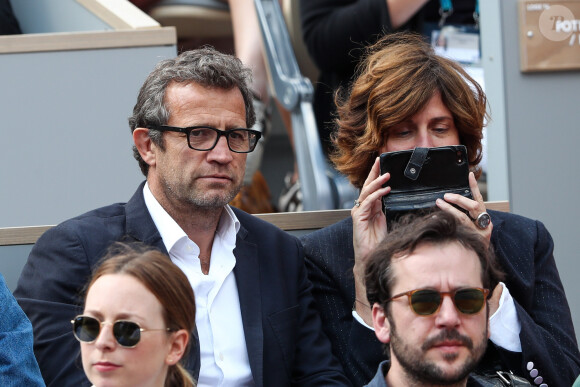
{"points": [[406, 96]]}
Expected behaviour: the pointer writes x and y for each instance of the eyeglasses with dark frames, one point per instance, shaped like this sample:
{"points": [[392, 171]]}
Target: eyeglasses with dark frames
{"points": [[205, 138], [425, 302], [86, 329]]}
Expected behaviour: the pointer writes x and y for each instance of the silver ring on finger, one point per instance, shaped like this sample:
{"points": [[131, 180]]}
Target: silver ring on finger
{"points": [[357, 203], [483, 220]]}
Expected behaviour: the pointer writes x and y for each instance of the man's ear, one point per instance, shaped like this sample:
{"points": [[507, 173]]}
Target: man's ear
{"points": [[144, 145], [381, 324]]}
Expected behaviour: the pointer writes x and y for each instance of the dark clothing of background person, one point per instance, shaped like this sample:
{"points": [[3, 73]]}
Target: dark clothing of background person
{"points": [[8, 23], [523, 247], [144, 5], [336, 33]]}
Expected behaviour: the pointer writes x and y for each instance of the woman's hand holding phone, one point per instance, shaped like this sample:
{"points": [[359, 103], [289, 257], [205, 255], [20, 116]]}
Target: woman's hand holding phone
{"points": [[473, 207], [369, 229]]}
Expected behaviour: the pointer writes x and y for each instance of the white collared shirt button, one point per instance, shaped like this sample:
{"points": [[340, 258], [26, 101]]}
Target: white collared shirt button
{"points": [[538, 380], [530, 365], [543, 385], [534, 373]]}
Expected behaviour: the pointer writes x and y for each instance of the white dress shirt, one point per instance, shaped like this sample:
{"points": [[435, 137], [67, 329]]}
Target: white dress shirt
{"points": [[224, 357]]}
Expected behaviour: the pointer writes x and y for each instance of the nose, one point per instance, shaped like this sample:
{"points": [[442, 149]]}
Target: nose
{"points": [[424, 140], [105, 340], [221, 153], [448, 315]]}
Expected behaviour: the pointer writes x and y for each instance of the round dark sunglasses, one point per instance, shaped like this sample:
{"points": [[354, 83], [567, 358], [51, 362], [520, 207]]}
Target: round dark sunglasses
{"points": [[127, 333], [426, 302]]}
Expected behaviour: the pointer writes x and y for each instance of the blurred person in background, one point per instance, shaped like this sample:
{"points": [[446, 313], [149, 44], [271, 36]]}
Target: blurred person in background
{"points": [[336, 33], [8, 23]]}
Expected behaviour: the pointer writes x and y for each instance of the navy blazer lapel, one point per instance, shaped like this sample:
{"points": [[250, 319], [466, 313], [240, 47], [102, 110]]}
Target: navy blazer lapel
{"points": [[140, 225], [248, 281]]}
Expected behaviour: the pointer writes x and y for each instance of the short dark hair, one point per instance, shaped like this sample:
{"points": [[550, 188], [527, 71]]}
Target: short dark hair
{"points": [[399, 75], [412, 231], [204, 66]]}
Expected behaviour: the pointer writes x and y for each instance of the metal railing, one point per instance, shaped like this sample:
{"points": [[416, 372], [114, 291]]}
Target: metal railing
{"points": [[322, 187]]}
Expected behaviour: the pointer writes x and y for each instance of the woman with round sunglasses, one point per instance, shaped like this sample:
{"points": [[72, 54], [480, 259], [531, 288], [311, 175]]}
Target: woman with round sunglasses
{"points": [[138, 315], [406, 96]]}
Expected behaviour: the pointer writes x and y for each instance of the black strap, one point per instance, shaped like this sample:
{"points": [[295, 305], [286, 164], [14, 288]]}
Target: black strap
{"points": [[416, 162]]}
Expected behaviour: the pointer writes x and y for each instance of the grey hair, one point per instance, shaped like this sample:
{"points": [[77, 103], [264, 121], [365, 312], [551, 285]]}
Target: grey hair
{"points": [[204, 66]]}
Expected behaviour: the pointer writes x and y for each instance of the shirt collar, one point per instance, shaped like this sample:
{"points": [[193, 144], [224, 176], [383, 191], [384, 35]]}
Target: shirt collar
{"points": [[171, 233]]}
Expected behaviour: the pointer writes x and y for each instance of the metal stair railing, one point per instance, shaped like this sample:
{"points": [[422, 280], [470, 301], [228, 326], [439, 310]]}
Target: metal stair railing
{"points": [[322, 187]]}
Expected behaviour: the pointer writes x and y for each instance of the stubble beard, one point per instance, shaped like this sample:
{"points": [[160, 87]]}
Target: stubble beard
{"points": [[423, 371], [209, 199], [201, 198]]}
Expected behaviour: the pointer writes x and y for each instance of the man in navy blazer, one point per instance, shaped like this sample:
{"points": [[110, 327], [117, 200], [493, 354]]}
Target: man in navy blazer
{"points": [[256, 323]]}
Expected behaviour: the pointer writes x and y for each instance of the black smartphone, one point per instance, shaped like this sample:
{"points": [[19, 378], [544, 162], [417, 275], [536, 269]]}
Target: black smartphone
{"points": [[422, 175]]}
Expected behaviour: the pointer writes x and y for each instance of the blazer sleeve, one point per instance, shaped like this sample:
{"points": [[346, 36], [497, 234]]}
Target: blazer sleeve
{"points": [[547, 333], [333, 29], [328, 255], [47, 290]]}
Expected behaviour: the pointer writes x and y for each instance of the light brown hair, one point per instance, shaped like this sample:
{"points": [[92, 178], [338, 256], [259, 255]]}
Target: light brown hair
{"points": [[398, 76]]}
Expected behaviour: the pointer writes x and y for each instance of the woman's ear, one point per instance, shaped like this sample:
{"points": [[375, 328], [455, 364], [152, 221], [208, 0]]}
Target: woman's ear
{"points": [[381, 324], [144, 145], [178, 344]]}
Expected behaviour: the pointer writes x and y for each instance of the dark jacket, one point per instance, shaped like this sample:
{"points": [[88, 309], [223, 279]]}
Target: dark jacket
{"points": [[282, 328], [525, 251], [8, 23]]}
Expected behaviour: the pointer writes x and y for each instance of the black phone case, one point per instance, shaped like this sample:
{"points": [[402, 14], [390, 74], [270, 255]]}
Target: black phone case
{"points": [[419, 176]]}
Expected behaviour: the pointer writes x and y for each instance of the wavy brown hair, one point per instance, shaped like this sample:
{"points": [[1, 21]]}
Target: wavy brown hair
{"points": [[398, 76]]}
